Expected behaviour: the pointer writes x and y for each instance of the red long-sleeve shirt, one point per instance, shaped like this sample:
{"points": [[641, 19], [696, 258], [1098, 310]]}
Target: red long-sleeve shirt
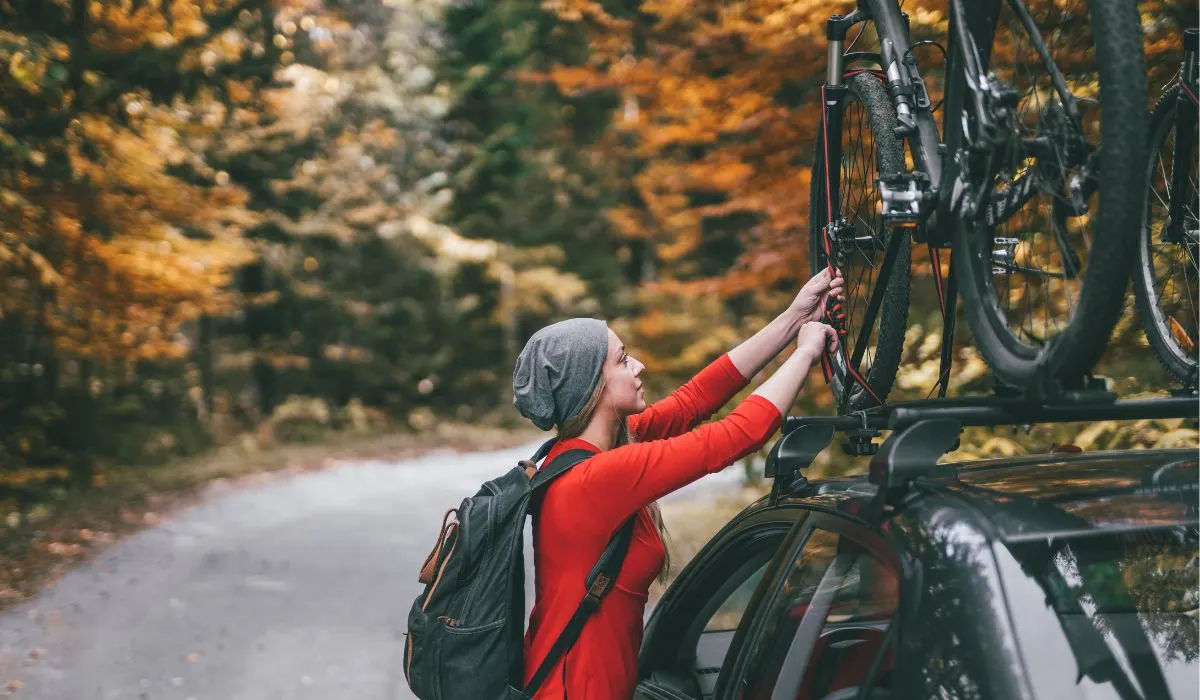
{"points": [[582, 510]]}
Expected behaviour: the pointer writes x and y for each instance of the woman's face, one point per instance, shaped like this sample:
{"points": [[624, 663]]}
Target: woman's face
{"points": [[622, 386]]}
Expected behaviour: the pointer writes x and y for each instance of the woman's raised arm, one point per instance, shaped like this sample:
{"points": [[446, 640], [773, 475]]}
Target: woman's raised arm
{"points": [[616, 483], [809, 305]]}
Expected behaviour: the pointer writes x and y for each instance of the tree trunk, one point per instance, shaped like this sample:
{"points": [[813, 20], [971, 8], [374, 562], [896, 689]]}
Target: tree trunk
{"points": [[204, 359]]}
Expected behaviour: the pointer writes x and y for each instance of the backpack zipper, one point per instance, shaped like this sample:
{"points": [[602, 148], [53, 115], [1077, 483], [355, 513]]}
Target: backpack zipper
{"points": [[463, 517]]}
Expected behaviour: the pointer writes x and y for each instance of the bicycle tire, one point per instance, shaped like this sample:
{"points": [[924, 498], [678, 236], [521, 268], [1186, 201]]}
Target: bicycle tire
{"points": [[1178, 360], [870, 92], [1073, 352]]}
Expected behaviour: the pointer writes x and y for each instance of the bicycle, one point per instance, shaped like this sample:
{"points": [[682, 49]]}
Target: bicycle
{"points": [[1165, 272], [1014, 185]]}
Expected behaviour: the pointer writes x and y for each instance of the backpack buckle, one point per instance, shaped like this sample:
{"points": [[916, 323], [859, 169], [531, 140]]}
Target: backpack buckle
{"points": [[597, 590]]}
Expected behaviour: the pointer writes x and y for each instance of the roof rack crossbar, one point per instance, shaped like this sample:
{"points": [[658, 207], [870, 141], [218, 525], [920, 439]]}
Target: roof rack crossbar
{"points": [[982, 411]]}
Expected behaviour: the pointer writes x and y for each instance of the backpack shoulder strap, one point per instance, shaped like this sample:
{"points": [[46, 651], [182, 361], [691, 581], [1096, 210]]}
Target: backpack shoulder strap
{"points": [[599, 582], [559, 466]]}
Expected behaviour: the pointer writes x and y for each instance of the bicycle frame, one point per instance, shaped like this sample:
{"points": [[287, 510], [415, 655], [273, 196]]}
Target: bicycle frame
{"points": [[938, 187]]}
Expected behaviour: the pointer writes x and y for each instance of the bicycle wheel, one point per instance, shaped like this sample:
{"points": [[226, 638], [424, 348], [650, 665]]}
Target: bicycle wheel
{"points": [[869, 149], [1165, 273], [1046, 254]]}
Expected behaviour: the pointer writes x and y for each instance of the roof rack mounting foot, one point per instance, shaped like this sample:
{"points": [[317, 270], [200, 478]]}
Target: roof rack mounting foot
{"points": [[793, 452], [909, 454]]}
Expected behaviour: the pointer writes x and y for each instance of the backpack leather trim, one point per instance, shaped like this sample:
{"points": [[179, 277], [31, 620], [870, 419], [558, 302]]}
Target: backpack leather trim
{"points": [[427, 569]]}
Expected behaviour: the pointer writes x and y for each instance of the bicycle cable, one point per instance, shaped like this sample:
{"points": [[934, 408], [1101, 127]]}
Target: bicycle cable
{"points": [[945, 59], [854, 41]]}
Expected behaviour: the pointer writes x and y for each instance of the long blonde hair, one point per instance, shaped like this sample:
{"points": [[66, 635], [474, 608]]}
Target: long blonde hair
{"points": [[575, 427]]}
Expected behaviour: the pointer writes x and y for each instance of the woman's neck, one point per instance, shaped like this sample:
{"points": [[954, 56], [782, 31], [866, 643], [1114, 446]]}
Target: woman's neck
{"points": [[602, 431]]}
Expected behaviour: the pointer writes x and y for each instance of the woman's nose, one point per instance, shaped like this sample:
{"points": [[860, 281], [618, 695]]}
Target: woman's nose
{"points": [[638, 368]]}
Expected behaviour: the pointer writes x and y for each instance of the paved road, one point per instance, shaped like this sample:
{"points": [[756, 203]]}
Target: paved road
{"points": [[293, 590]]}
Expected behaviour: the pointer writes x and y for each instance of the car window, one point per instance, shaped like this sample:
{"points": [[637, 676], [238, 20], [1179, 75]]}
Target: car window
{"points": [[729, 614], [688, 642], [828, 625], [1104, 614], [731, 600]]}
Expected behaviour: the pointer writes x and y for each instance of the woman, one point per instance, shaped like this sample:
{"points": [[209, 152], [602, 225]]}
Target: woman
{"points": [[575, 376]]}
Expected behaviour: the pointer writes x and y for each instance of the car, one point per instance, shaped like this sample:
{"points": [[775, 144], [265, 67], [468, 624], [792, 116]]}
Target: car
{"points": [[1053, 576]]}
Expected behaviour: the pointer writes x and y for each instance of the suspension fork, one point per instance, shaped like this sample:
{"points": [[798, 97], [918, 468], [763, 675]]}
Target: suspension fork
{"points": [[833, 94], [1185, 139]]}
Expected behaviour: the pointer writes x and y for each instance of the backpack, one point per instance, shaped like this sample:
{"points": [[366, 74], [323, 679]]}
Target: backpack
{"points": [[465, 636]]}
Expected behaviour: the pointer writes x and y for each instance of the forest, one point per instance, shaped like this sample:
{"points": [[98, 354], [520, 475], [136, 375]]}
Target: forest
{"points": [[288, 219]]}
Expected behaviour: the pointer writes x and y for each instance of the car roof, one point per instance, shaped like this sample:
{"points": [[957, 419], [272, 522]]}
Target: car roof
{"points": [[1038, 496]]}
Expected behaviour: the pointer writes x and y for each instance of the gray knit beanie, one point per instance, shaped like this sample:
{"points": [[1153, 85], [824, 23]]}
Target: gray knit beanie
{"points": [[558, 369]]}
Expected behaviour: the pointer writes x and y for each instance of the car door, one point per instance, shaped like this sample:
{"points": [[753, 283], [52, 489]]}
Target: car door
{"points": [[688, 637], [822, 627]]}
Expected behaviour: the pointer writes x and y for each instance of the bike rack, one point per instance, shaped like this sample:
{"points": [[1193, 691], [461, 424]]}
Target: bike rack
{"points": [[1072, 406], [922, 431]]}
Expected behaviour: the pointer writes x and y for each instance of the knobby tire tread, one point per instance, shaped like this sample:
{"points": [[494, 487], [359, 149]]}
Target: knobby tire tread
{"points": [[1075, 350]]}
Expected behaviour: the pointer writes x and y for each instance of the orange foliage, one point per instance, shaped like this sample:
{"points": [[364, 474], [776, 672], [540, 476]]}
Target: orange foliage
{"points": [[721, 107], [102, 243]]}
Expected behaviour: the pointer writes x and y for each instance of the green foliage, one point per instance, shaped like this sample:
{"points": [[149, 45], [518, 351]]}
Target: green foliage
{"points": [[530, 172]]}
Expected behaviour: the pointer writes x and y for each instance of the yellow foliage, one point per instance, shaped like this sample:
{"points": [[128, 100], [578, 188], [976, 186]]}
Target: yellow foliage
{"points": [[703, 120], [114, 256]]}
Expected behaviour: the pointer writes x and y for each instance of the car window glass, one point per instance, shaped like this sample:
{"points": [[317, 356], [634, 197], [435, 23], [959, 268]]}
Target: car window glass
{"points": [[728, 605], [830, 623], [809, 568], [1109, 612], [730, 612]]}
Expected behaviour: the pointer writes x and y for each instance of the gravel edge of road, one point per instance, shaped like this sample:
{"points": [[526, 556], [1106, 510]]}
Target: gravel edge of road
{"points": [[83, 526]]}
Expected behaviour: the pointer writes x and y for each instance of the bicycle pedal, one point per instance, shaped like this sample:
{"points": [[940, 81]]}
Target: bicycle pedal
{"points": [[901, 197]]}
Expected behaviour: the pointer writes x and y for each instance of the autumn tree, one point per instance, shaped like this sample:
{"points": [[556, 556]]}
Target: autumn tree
{"points": [[115, 233], [357, 293], [530, 171]]}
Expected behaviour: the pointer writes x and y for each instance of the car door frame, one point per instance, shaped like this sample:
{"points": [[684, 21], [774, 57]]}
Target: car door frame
{"points": [[690, 592], [765, 598]]}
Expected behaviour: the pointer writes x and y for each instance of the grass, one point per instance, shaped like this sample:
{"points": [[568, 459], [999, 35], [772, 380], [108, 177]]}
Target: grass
{"points": [[55, 529]]}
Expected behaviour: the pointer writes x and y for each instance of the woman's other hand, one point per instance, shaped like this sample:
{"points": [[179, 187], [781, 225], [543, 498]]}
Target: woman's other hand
{"points": [[809, 304], [814, 338]]}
